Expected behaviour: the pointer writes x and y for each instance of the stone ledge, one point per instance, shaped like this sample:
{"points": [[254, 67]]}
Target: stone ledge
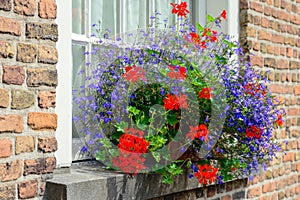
{"points": [[92, 183]]}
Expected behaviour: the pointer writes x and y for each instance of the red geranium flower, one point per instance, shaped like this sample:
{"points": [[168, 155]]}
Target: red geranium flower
{"points": [[205, 93], [133, 144], [223, 14], [175, 73], [254, 131], [180, 9], [206, 174], [279, 121], [128, 162], [198, 132], [253, 89], [134, 73], [174, 102]]}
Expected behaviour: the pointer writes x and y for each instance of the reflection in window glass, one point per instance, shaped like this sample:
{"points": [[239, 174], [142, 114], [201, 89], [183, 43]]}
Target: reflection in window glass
{"points": [[164, 8], [78, 64], [78, 16], [136, 14], [105, 11]]}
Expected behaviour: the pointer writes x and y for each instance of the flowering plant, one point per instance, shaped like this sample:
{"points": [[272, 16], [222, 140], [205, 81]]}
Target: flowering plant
{"points": [[161, 100]]}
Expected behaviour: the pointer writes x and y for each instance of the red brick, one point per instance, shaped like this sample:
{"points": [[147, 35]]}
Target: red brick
{"points": [[283, 15], [277, 39], [254, 192], [256, 6], [264, 22], [47, 54], [13, 75], [227, 197], [10, 26], [288, 157], [297, 90], [5, 148], [25, 7], [11, 123], [293, 111], [294, 65], [256, 60], [42, 121], [47, 145], [28, 189], [39, 166], [10, 171], [264, 35], [295, 19], [282, 64], [268, 187], [5, 5], [47, 99], [47, 9]]}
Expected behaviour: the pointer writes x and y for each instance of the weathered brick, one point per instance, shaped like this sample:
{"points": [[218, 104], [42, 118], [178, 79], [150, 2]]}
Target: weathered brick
{"points": [[39, 166], [289, 41], [5, 5], [294, 65], [268, 187], [256, 6], [41, 76], [270, 62], [14, 75], [47, 99], [8, 192], [227, 197], [47, 54], [256, 60], [42, 31], [25, 144], [282, 64], [4, 98], [28, 189], [25, 7], [297, 90], [6, 50], [21, 99], [289, 157], [10, 171], [26, 53], [47, 145], [295, 19], [254, 192], [10, 26], [264, 35], [42, 121], [47, 9], [5, 148], [277, 38], [11, 123]]}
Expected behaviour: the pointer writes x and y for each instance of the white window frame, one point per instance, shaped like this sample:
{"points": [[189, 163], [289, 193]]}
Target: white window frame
{"points": [[64, 68]]}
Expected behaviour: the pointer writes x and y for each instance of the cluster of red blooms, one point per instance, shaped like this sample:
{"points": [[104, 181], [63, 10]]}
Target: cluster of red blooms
{"points": [[254, 131], [177, 73], [253, 89], [130, 144], [133, 143], [279, 120], [180, 9], [205, 93], [134, 73], [198, 132], [206, 174], [130, 163], [174, 102]]}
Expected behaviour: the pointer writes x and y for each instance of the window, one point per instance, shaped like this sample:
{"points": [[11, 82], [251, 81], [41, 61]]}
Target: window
{"points": [[119, 16]]}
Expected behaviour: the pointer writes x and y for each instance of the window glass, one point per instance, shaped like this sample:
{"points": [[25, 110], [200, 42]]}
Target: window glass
{"points": [[78, 16], [136, 14]]}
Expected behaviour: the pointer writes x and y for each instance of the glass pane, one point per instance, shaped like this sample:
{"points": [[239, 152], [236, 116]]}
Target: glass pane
{"points": [[165, 9], [78, 16], [136, 14], [78, 64], [105, 11], [215, 8]]}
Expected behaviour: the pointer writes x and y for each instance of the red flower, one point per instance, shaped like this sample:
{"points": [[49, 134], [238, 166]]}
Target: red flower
{"points": [[205, 93], [195, 38], [254, 131], [128, 162], [279, 121], [134, 73], [253, 89], [133, 144], [206, 174], [180, 9], [173, 102], [223, 14], [177, 73], [199, 132]]}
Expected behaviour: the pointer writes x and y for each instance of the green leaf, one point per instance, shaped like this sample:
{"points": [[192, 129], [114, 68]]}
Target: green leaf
{"points": [[167, 179], [121, 126], [100, 155], [106, 142], [133, 110], [210, 18], [172, 119], [199, 27], [114, 152], [156, 156]]}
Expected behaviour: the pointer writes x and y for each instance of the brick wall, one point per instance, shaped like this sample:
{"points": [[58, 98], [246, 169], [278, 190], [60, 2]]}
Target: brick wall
{"points": [[270, 29], [28, 77]]}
